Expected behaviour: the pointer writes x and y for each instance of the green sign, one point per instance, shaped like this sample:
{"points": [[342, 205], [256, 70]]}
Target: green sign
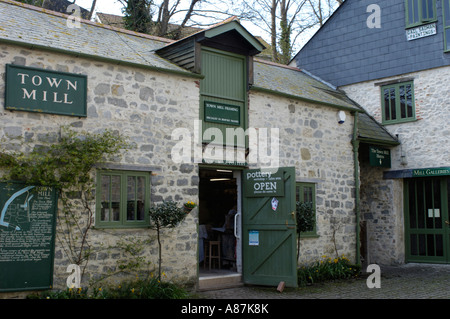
{"points": [[426, 172], [37, 90], [380, 157], [261, 183], [222, 113], [27, 236]]}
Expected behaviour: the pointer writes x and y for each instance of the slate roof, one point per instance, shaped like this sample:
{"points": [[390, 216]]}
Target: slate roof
{"points": [[372, 132], [48, 30], [294, 82], [44, 29]]}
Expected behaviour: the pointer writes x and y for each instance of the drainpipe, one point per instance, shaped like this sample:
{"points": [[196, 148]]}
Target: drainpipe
{"points": [[355, 143]]}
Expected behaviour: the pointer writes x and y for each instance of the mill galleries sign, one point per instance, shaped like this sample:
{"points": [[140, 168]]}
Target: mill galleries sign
{"points": [[37, 90]]}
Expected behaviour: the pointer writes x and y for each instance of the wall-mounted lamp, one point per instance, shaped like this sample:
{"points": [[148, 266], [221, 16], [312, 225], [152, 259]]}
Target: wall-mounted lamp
{"points": [[403, 160], [341, 117]]}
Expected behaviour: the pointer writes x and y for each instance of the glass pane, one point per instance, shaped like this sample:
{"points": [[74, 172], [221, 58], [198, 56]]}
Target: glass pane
{"points": [[410, 12], [409, 100], [308, 194], [420, 205], [416, 11], [140, 198], [115, 198], [105, 198], [422, 245], [430, 245], [439, 245], [387, 111], [412, 204], [429, 203], [297, 194], [402, 96], [392, 104], [447, 38], [427, 9], [413, 242], [437, 213], [131, 197], [447, 12]]}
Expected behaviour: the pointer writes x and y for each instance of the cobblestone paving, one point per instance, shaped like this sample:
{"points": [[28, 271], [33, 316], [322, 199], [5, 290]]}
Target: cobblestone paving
{"points": [[410, 281]]}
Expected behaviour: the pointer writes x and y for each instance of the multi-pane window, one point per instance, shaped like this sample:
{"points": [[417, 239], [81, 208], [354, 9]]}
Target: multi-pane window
{"points": [[306, 193], [398, 103], [420, 12], [446, 17], [122, 199]]}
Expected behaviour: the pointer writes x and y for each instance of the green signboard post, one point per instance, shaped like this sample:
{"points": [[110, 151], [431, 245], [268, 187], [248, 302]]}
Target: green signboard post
{"points": [[27, 236], [36, 90], [380, 157]]}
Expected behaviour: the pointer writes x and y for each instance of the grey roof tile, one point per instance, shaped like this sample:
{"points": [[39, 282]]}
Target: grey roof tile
{"points": [[42, 28]]}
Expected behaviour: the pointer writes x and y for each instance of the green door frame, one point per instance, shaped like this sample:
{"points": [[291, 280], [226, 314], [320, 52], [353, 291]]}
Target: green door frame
{"points": [[427, 235]]}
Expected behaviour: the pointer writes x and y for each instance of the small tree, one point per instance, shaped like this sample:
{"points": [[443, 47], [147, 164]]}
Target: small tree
{"points": [[305, 220], [165, 215]]}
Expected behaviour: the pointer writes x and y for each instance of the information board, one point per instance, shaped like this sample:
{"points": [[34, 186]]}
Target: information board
{"points": [[27, 236], [222, 113]]}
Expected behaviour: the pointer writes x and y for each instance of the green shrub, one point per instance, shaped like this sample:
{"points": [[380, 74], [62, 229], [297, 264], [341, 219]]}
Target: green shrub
{"points": [[150, 288], [327, 269]]}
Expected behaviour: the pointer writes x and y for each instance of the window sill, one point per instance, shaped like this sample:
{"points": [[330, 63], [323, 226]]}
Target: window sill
{"points": [[311, 236], [420, 24], [399, 122]]}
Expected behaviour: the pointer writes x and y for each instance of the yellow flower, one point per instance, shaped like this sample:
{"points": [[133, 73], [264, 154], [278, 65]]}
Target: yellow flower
{"points": [[335, 260], [132, 290]]}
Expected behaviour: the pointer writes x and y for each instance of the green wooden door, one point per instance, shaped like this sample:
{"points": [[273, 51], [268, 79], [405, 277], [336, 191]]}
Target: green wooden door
{"points": [[269, 227], [426, 220]]}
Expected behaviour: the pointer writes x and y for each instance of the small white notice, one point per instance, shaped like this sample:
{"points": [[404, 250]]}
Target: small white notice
{"points": [[253, 238], [421, 32], [434, 213]]}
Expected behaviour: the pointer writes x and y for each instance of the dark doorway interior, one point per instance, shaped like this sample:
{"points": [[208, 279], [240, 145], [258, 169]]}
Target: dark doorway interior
{"points": [[217, 209]]}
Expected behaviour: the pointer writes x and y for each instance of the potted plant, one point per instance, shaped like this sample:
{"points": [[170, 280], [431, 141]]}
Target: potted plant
{"points": [[188, 206]]}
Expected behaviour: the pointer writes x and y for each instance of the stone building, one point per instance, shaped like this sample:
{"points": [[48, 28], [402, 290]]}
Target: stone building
{"points": [[393, 58], [243, 138]]}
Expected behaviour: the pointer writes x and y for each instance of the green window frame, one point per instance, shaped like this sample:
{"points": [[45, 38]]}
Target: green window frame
{"points": [[306, 193], [122, 199], [398, 103], [420, 12], [446, 18]]}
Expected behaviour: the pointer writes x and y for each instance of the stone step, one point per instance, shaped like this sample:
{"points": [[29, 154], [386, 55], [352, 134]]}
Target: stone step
{"points": [[220, 282]]}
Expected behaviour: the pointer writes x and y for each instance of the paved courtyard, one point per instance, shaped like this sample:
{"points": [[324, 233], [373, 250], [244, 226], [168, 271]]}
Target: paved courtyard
{"points": [[410, 281]]}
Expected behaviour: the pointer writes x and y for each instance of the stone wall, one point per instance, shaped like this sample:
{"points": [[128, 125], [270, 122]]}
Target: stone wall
{"points": [[320, 149], [425, 143], [382, 211], [145, 106]]}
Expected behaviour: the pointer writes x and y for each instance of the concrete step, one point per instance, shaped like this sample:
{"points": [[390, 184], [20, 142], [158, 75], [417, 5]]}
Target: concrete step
{"points": [[219, 282]]}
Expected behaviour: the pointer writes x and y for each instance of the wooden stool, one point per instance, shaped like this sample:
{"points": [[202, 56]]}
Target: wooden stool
{"points": [[212, 251]]}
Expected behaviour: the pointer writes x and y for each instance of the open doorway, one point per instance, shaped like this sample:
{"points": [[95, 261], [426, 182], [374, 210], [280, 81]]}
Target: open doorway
{"points": [[219, 223]]}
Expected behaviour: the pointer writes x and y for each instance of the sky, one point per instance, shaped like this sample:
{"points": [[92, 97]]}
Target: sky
{"points": [[115, 7]]}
